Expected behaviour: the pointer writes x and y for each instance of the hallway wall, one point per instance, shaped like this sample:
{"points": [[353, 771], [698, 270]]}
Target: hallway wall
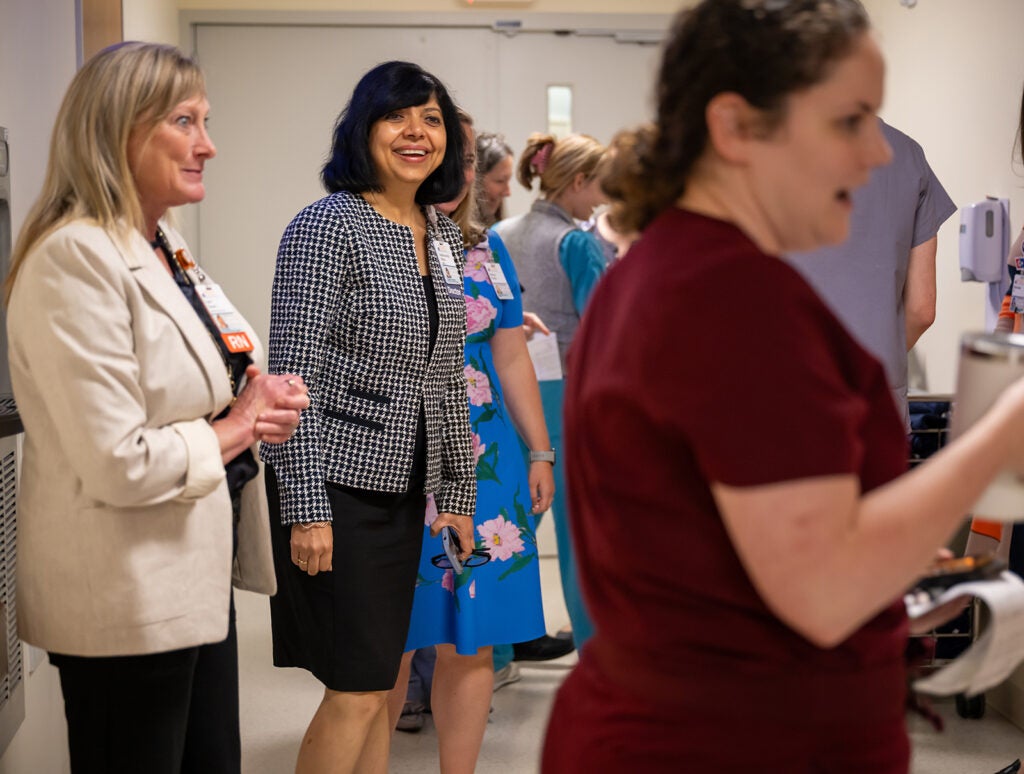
{"points": [[37, 59], [954, 84]]}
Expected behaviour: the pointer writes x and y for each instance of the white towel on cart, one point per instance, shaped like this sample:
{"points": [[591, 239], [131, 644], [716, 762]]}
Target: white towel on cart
{"points": [[997, 650]]}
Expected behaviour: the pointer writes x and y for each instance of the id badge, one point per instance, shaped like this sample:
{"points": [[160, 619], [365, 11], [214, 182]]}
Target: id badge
{"points": [[1017, 294], [449, 269], [497, 276], [225, 317]]}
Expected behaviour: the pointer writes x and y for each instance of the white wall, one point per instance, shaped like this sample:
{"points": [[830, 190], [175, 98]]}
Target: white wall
{"points": [[37, 59], [954, 84]]}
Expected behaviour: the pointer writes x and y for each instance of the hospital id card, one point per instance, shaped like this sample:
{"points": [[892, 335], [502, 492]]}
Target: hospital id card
{"points": [[1017, 294], [227, 319], [449, 269], [497, 277]]}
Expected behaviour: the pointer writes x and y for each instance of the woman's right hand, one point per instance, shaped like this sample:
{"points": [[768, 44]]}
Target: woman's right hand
{"points": [[312, 547], [273, 402], [463, 526]]}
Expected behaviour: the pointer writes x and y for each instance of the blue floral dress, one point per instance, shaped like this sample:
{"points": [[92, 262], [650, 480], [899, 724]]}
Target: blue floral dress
{"points": [[498, 602]]}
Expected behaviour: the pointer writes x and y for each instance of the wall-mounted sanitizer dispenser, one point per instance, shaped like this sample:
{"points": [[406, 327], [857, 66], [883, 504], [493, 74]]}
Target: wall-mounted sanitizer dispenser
{"points": [[984, 244]]}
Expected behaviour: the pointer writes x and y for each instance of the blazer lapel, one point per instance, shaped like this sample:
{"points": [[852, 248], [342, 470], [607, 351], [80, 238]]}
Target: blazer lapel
{"points": [[164, 292]]}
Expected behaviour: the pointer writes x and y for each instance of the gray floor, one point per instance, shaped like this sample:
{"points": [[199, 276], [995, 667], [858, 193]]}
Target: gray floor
{"points": [[277, 704]]}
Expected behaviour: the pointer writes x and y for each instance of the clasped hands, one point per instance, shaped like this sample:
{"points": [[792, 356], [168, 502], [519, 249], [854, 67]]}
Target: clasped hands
{"points": [[273, 402]]}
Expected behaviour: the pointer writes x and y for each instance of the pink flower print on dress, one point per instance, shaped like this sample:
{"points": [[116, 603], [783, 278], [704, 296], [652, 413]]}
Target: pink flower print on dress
{"points": [[448, 581], [501, 537], [475, 260], [478, 386], [472, 589], [480, 312], [479, 447], [431, 511]]}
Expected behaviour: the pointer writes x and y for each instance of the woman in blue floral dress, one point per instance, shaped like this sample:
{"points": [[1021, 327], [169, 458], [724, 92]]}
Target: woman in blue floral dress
{"points": [[498, 601]]}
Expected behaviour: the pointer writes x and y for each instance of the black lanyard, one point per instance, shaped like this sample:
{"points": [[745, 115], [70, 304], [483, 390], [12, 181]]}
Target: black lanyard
{"points": [[235, 363]]}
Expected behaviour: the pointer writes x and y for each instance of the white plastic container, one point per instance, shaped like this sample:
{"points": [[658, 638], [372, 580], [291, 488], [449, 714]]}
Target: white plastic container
{"points": [[989, 362]]}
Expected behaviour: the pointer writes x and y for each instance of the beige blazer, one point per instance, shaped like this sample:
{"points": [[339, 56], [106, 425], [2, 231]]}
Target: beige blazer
{"points": [[124, 520]]}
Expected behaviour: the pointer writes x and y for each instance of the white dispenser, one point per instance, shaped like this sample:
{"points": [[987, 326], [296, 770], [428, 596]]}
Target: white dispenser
{"points": [[984, 243]]}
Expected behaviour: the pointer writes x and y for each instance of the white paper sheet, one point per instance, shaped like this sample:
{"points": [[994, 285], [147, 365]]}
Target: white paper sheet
{"points": [[543, 349], [995, 653]]}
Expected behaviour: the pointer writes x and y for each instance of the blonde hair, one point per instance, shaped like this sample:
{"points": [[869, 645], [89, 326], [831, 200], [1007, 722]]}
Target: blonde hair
{"points": [[125, 86], [557, 162], [467, 214]]}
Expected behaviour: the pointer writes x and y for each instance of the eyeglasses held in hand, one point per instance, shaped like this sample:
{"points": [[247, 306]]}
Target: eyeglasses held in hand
{"points": [[478, 557], [450, 559]]}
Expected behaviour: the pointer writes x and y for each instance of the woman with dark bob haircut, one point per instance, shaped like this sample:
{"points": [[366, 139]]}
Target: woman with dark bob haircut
{"points": [[367, 307], [385, 88], [744, 524]]}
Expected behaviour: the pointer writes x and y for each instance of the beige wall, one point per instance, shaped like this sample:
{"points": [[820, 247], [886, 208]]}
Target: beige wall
{"points": [[954, 84], [536, 6], [37, 59]]}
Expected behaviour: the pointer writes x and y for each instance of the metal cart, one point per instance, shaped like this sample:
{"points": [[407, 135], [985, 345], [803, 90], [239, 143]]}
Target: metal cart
{"points": [[929, 432]]}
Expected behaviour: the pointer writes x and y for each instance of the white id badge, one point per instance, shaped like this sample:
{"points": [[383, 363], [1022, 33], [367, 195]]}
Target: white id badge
{"points": [[497, 276], [225, 317], [1017, 294], [449, 269]]}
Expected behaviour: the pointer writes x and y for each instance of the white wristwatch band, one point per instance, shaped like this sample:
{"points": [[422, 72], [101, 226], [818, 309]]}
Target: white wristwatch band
{"points": [[543, 456]]}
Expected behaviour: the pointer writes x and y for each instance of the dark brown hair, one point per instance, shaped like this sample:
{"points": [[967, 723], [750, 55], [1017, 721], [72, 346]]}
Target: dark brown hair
{"points": [[763, 50]]}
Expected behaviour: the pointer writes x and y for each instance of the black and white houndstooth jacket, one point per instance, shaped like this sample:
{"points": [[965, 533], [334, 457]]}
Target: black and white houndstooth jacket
{"points": [[349, 315]]}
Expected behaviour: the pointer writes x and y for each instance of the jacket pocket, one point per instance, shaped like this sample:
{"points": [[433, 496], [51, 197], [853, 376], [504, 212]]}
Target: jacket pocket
{"points": [[352, 419], [373, 397], [151, 564]]}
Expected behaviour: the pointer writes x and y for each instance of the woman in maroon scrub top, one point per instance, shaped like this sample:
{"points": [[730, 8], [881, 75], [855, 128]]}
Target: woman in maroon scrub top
{"points": [[743, 527]]}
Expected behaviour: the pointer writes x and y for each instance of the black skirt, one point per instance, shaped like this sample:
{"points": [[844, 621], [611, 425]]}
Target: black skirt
{"points": [[348, 626]]}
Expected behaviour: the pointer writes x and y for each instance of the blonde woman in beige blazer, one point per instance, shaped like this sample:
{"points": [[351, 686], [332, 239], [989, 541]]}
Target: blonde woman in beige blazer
{"points": [[137, 386]]}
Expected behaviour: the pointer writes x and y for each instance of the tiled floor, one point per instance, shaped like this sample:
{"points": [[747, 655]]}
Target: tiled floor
{"points": [[277, 704]]}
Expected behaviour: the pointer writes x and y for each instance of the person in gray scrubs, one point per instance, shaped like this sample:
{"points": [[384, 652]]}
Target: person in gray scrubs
{"points": [[880, 282]]}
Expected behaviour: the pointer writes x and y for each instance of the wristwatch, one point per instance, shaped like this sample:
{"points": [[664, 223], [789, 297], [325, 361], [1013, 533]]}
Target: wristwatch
{"points": [[543, 456]]}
